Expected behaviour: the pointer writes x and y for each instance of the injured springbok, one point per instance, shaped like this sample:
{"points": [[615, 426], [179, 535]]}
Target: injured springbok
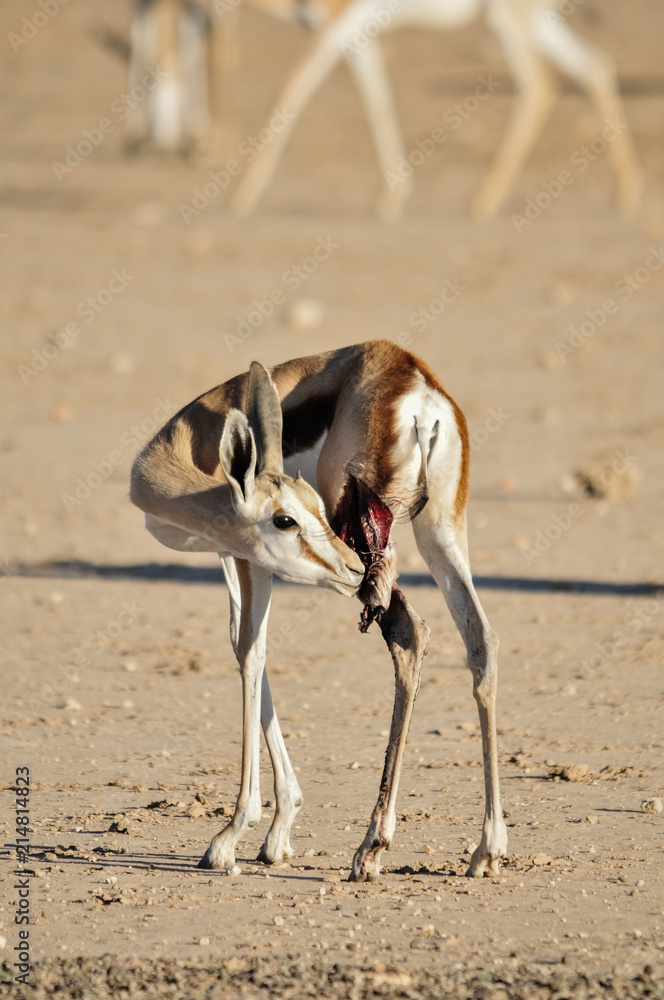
{"points": [[387, 440]]}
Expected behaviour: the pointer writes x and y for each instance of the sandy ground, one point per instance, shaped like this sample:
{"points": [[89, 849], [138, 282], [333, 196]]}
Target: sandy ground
{"points": [[120, 693]]}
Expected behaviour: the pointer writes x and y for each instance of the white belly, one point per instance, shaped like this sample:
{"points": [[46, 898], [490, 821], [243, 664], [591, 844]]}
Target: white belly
{"points": [[434, 13]]}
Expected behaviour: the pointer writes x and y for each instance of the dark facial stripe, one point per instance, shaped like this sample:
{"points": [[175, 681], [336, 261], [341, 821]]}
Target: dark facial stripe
{"points": [[312, 556]]}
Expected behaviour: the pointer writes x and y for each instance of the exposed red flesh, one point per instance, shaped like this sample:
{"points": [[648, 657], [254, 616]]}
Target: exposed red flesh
{"points": [[363, 522]]}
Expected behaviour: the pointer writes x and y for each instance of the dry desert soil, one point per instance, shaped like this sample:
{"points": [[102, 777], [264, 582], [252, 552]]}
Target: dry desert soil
{"points": [[120, 692]]}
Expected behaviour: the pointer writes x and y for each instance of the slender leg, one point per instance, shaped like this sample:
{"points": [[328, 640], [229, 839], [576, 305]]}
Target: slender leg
{"points": [[136, 124], [332, 44], [255, 586], [223, 74], [287, 792], [593, 69], [536, 93], [368, 68], [286, 789], [406, 636], [444, 555]]}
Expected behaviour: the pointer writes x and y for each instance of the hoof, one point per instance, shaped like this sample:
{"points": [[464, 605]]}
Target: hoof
{"points": [[207, 862], [216, 860], [484, 868], [264, 857]]}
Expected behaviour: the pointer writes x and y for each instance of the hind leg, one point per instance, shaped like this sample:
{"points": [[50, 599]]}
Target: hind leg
{"points": [[594, 70], [406, 636], [535, 94], [444, 550]]}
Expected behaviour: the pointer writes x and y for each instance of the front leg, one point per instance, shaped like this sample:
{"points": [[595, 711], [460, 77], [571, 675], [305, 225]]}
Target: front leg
{"points": [[368, 68], [255, 586], [406, 636]]}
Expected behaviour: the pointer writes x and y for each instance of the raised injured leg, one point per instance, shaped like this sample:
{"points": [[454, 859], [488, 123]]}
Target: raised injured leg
{"points": [[255, 586], [406, 636], [288, 796], [444, 554]]}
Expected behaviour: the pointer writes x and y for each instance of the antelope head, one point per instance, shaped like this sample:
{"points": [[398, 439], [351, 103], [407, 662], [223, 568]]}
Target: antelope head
{"points": [[279, 522]]}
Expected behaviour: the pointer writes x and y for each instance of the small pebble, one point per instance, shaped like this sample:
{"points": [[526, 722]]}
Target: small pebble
{"points": [[305, 314], [204, 941], [61, 413], [122, 363], [652, 806]]}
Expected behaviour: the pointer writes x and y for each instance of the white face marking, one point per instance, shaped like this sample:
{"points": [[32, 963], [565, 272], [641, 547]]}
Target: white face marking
{"points": [[308, 551]]}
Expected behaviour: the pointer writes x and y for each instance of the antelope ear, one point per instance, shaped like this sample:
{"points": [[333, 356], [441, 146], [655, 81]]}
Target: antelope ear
{"points": [[238, 456], [265, 419]]}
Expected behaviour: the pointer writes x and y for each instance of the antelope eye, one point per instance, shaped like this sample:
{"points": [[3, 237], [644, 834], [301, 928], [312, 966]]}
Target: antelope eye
{"points": [[282, 522]]}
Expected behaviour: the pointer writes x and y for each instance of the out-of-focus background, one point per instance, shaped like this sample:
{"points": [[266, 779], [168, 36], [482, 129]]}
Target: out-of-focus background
{"points": [[117, 312], [520, 288]]}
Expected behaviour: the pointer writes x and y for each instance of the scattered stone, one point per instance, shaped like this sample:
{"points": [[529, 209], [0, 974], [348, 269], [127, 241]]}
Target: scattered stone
{"points": [[195, 811], [61, 413], [652, 806], [120, 824], [611, 477], [122, 363], [570, 772], [305, 314]]}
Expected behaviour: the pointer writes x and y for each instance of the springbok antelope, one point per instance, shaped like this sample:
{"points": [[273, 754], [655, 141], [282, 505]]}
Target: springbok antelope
{"points": [[195, 56], [533, 36], [386, 439]]}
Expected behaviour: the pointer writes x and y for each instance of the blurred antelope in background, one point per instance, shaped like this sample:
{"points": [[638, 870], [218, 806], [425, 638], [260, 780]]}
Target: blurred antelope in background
{"points": [[533, 36], [194, 52]]}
